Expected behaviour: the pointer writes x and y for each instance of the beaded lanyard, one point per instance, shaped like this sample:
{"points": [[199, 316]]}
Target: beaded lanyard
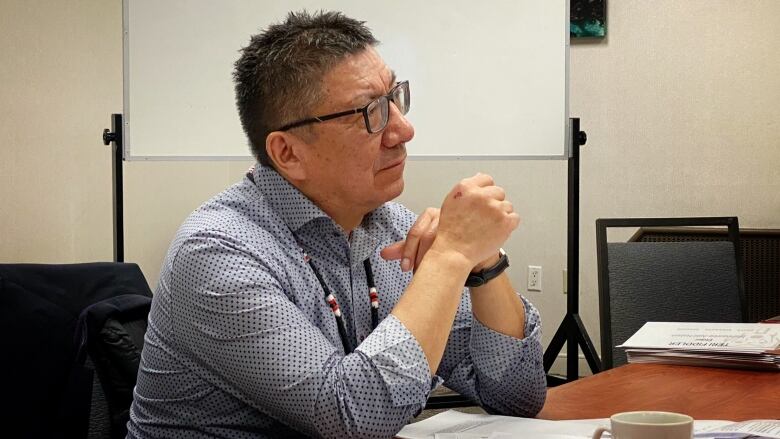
{"points": [[330, 299]]}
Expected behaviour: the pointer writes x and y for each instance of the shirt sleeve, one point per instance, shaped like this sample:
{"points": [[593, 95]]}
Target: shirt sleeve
{"points": [[245, 336], [505, 375]]}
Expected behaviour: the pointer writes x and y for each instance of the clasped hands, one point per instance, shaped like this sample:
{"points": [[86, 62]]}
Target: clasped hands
{"points": [[474, 220]]}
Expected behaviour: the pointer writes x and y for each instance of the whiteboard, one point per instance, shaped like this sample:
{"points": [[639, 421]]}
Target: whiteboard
{"points": [[488, 79]]}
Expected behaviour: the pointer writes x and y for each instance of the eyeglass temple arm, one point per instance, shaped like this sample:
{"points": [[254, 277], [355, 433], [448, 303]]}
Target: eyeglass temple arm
{"points": [[319, 119]]}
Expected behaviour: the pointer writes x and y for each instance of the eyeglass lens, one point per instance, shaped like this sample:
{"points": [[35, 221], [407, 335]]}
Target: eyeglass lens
{"points": [[378, 111]]}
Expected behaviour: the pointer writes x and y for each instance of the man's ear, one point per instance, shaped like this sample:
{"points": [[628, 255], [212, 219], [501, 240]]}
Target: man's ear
{"points": [[284, 150]]}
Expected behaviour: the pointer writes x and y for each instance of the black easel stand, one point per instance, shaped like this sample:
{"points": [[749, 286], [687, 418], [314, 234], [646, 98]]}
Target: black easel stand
{"points": [[572, 331], [114, 137]]}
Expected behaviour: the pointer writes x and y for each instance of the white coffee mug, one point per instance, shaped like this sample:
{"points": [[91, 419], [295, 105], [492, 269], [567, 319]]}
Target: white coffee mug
{"points": [[648, 425]]}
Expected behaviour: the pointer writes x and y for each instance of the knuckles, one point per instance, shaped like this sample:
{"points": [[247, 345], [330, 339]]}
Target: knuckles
{"points": [[462, 186], [432, 212]]}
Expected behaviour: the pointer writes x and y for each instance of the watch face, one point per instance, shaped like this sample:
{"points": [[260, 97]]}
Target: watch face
{"points": [[475, 280]]}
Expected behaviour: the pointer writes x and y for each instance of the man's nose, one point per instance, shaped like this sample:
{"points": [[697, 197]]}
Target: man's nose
{"points": [[398, 130]]}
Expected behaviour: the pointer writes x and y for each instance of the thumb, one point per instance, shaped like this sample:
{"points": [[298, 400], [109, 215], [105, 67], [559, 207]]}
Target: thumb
{"points": [[393, 251]]}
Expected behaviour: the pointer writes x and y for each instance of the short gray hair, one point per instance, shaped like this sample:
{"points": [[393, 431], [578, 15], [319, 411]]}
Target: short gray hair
{"points": [[278, 77]]}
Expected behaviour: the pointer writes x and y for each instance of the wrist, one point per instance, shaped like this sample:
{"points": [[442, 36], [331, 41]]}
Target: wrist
{"points": [[485, 275], [489, 262], [449, 258]]}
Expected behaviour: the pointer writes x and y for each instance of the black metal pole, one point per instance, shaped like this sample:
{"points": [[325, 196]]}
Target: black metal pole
{"points": [[573, 250], [572, 331], [114, 137]]}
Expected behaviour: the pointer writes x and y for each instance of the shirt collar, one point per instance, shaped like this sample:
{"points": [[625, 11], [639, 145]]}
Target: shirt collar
{"points": [[297, 210], [292, 206], [364, 239]]}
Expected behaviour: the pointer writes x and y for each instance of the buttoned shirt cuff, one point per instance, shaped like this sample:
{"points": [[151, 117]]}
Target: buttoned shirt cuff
{"points": [[498, 355], [400, 361]]}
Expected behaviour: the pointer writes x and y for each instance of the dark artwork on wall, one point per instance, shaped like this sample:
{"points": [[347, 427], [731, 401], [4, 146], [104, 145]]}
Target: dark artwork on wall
{"points": [[588, 18]]}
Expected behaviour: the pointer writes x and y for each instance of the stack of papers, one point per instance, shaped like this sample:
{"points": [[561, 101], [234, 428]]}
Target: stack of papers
{"points": [[456, 425], [734, 345]]}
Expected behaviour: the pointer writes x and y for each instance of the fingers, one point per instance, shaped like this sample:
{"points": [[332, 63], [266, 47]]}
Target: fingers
{"points": [[495, 192], [476, 218], [480, 179], [393, 251], [426, 241], [480, 185], [506, 206], [419, 239], [514, 220], [511, 218], [484, 184], [416, 233]]}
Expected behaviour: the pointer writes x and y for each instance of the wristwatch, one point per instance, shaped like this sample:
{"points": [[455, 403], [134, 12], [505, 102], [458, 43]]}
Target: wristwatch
{"points": [[484, 276]]}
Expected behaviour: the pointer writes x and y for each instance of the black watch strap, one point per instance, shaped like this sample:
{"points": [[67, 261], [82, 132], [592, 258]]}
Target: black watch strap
{"points": [[484, 276]]}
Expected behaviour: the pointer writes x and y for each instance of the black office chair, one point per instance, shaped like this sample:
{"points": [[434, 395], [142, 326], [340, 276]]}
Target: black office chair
{"points": [[665, 281], [109, 339], [40, 305], [760, 261]]}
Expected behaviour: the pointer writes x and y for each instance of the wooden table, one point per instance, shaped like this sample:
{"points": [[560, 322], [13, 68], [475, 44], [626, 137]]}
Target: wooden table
{"points": [[701, 392]]}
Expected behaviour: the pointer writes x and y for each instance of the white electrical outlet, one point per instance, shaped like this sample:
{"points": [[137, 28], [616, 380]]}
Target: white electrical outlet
{"points": [[534, 278]]}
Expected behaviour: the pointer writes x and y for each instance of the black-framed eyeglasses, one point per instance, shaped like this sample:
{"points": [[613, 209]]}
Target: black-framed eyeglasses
{"points": [[375, 114]]}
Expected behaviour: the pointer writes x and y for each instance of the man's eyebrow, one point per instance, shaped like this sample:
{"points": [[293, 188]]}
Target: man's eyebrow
{"points": [[367, 95]]}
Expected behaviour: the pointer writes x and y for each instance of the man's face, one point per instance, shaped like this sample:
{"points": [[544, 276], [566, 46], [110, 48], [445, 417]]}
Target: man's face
{"points": [[347, 166]]}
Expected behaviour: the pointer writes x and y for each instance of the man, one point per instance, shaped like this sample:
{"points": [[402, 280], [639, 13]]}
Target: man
{"points": [[266, 322]]}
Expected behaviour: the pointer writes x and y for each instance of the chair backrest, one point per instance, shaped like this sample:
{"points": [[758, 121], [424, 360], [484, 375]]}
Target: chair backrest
{"points": [[665, 281], [760, 259], [110, 337], [39, 308]]}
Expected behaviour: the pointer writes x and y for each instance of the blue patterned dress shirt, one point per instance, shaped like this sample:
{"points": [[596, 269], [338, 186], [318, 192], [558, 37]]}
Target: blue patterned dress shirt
{"points": [[241, 343]]}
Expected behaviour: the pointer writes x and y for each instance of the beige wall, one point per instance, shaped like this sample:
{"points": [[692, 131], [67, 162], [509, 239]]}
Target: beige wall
{"points": [[679, 102], [60, 80]]}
